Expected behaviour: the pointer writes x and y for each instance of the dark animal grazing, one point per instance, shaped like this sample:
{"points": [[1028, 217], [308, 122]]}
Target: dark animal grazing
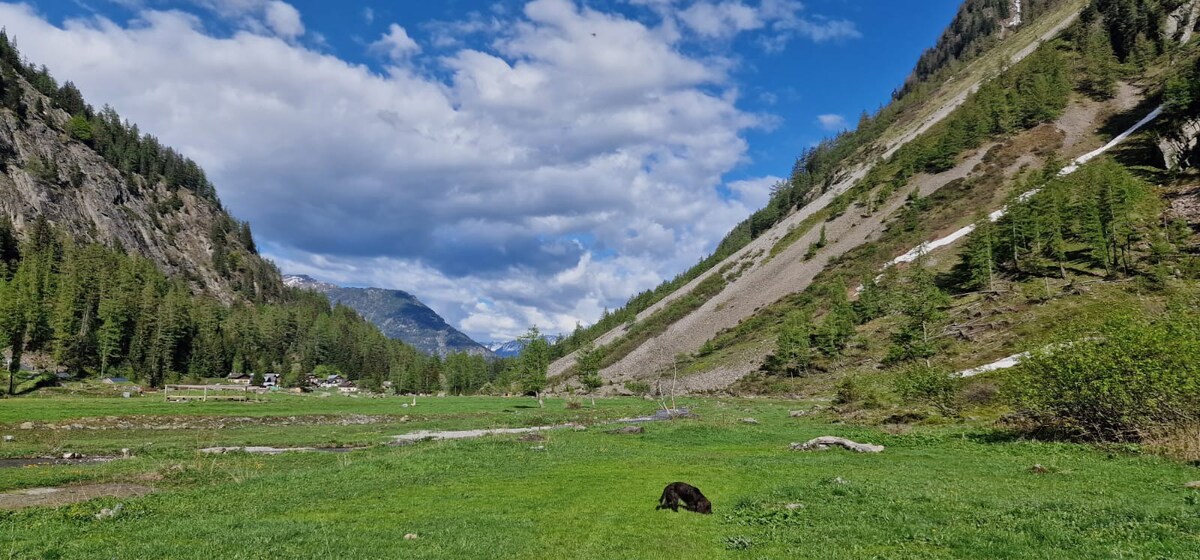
{"points": [[691, 497]]}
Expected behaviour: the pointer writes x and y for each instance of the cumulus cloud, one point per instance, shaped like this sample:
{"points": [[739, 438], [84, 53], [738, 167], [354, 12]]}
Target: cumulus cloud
{"points": [[283, 19], [832, 122], [396, 44], [259, 16], [777, 21], [536, 177]]}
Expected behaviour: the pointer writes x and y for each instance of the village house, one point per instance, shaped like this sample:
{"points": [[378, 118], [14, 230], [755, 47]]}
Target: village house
{"points": [[240, 378]]}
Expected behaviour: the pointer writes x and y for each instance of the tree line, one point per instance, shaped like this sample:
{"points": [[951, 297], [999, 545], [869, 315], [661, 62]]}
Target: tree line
{"points": [[92, 310], [975, 29]]}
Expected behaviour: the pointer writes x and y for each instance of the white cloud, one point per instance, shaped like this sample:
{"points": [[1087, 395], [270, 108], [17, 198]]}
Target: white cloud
{"points": [[284, 19], [396, 44], [265, 17], [574, 161], [776, 21], [721, 20], [832, 122], [368, 15], [754, 193]]}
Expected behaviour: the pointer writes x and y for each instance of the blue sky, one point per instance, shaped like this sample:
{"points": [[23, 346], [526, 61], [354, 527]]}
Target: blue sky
{"points": [[510, 163]]}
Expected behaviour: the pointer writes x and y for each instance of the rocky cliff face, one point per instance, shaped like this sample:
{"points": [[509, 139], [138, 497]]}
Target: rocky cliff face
{"points": [[44, 172], [1181, 148], [399, 314]]}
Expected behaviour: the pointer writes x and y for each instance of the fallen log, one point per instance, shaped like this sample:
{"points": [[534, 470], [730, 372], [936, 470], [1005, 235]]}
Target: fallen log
{"points": [[825, 442]]}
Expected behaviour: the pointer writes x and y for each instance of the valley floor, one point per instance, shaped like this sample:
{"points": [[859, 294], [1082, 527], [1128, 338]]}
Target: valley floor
{"points": [[936, 492]]}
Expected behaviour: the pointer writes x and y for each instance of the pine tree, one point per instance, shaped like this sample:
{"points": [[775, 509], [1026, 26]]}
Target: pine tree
{"points": [[921, 305], [837, 327], [587, 362], [534, 361], [793, 345], [978, 257]]}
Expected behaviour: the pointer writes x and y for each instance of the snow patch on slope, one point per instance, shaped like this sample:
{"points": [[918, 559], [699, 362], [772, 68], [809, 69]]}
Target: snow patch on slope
{"points": [[928, 246]]}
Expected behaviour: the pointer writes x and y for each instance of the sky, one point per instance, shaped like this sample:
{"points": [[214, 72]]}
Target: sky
{"points": [[511, 163]]}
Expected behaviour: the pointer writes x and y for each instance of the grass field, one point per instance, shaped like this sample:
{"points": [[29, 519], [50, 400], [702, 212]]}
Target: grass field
{"points": [[935, 493]]}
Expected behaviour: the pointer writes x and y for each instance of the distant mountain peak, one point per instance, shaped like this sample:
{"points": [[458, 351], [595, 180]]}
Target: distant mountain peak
{"points": [[399, 314]]}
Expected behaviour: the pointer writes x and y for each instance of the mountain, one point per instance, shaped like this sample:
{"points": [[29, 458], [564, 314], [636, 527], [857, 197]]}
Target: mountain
{"points": [[101, 180], [117, 258], [997, 109], [400, 315], [513, 348]]}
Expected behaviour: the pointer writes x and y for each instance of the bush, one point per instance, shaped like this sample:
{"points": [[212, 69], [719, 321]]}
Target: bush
{"points": [[80, 129], [591, 382], [856, 390], [1138, 376], [930, 385], [638, 387]]}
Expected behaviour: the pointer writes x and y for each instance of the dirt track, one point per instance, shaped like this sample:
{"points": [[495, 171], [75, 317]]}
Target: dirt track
{"points": [[54, 497]]}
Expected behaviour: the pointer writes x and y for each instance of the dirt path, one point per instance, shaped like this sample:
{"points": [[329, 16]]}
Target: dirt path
{"points": [[264, 450], [53, 497], [466, 434]]}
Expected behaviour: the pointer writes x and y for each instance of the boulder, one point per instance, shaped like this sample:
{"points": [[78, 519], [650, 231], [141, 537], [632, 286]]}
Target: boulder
{"points": [[825, 442], [27, 425]]}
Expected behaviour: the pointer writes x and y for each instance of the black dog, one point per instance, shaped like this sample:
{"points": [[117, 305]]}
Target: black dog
{"points": [[691, 497]]}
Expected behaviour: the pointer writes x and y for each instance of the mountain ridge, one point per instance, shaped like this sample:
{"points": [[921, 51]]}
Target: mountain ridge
{"points": [[399, 314]]}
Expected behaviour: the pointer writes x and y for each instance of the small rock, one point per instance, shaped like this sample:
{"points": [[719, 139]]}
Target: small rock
{"points": [[411, 537], [839, 481], [794, 506], [628, 430], [797, 413], [404, 405], [72, 455], [9, 438], [27, 425], [538, 448], [125, 453], [1195, 484], [110, 513], [1039, 469], [749, 421]]}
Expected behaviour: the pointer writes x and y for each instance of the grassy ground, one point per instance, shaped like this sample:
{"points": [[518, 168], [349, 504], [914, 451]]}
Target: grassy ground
{"points": [[935, 492]]}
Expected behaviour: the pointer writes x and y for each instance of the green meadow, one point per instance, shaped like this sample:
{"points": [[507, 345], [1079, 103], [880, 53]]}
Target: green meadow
{"points": [[936, 492]]}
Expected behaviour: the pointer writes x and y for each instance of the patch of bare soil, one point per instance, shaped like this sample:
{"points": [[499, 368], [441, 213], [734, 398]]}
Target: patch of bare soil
{"points": [[40, 461], [1185, 205], [54, 497]]}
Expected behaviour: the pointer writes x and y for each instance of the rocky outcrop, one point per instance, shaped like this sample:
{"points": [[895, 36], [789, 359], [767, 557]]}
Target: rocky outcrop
{"points": [[1181, 24], [1181, 146], [45, 173]]}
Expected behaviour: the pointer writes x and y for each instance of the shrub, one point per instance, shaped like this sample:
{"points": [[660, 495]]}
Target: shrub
{"points": [[930, 385], [1137, 376], [591, 382], [638, 387], [856, 390]]}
